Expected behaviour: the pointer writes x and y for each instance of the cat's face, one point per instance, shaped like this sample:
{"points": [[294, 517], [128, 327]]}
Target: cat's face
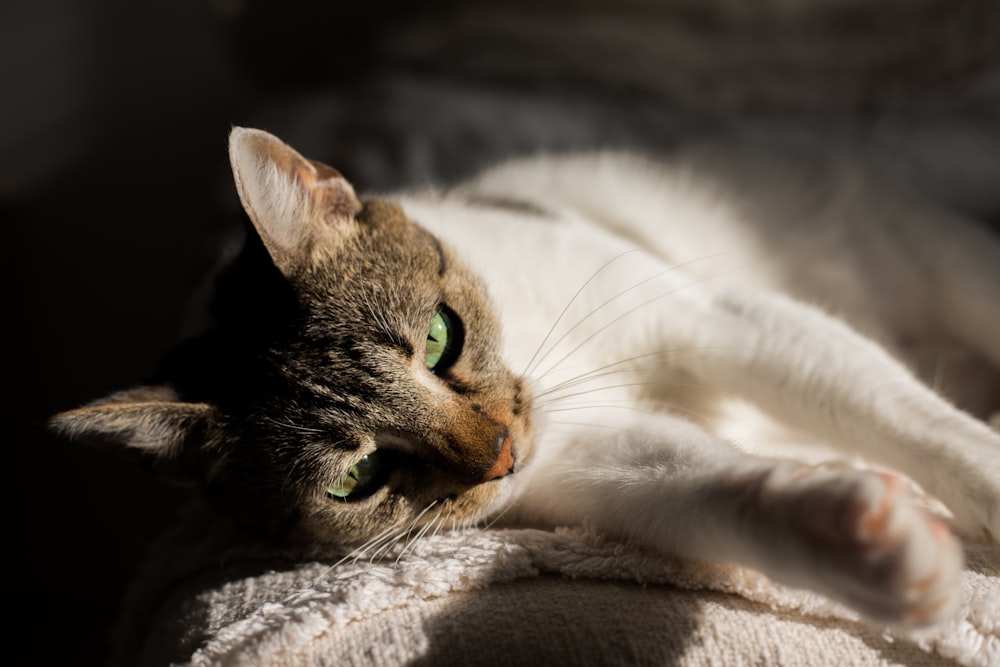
{"points": [[363, 390]]}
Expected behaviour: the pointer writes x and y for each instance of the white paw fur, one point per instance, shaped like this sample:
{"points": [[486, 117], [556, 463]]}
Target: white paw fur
{"points": [[866, 542]]}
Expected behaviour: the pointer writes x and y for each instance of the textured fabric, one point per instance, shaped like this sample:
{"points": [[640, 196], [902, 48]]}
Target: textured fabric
{"points": [[506, 597]]}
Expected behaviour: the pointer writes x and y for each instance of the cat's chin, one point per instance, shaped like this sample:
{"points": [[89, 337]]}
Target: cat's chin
{"points": [[508, 490]]}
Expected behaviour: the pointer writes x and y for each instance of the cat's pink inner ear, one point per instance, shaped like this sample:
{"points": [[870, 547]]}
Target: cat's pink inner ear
{"points": [[334, 197], [297, 205]]}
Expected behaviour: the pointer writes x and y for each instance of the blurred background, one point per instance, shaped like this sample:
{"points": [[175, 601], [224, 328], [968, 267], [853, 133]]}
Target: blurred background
{"points": [[115, 195]]}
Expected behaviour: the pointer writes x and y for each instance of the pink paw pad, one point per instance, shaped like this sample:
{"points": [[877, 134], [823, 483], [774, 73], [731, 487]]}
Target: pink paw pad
{"points": [[876, 550]]}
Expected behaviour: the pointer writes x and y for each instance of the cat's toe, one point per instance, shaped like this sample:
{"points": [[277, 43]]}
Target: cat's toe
{"points": [[935, 596], [887, 557], [921, 569]]}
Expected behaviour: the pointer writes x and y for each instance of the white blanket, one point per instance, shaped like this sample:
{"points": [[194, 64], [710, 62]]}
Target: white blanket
{"points": [[510, 597]]}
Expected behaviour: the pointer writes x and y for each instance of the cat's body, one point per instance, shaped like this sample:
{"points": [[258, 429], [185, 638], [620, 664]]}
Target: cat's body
{"points": [[636, 299]]}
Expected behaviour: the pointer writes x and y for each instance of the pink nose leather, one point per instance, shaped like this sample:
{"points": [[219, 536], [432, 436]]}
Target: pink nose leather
{"points": [[504, 463]]}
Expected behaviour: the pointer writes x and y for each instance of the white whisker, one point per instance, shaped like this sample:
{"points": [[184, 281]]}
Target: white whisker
{"points": [[569, 304], [418, 536], [601, 307], [552, 395], [617, 320], [387, 546], [673, 407], [376, 547], [492, 520], [440, 526], [601, 371], [355, 554], [615, 427], [413, 524], [591, 406], [650, 383]]}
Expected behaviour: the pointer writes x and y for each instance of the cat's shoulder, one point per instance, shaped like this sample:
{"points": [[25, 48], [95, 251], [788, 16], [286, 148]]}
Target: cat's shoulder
{"points": [[693, 172], [548, 184]]}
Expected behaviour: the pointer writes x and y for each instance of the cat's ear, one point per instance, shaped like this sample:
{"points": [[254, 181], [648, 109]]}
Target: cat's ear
{"points": [[147, 421], [301, 209]]}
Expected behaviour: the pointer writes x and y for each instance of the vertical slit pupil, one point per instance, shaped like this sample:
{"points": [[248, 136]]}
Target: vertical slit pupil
{"points": [[437, 339]]}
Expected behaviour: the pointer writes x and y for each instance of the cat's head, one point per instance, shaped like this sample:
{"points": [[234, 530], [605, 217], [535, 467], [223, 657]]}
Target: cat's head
{"points": [[353, 383]]}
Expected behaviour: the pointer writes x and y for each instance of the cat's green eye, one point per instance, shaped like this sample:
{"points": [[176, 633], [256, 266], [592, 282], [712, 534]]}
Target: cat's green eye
{"points": [[364, 477], [445, 336], [437, 339]]}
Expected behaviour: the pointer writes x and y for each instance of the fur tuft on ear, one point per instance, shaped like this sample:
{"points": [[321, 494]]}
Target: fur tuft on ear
{"points": [[300, 208], [150, 421]]}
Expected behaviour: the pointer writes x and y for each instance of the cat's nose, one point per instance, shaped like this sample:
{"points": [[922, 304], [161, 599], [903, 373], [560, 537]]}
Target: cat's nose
{"points": [[504, 464], [473, 446]]}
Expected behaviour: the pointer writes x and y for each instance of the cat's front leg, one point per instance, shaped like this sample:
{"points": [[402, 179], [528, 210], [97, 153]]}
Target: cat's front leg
{"points": [[817, 374], [852, 535]]}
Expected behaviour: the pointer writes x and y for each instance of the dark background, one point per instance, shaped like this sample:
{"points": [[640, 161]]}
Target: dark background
{"points": [[115, 194]]}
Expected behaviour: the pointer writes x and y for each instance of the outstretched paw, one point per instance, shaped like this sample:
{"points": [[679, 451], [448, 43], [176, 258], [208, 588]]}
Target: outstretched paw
{"points": [[867, 543]]}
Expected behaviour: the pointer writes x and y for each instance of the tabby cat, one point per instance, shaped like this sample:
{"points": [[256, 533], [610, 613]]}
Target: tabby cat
{"points": [[585, 339]]}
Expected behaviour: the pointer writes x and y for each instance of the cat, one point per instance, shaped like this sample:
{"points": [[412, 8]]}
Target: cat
{"points": [[559, 341]]}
